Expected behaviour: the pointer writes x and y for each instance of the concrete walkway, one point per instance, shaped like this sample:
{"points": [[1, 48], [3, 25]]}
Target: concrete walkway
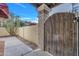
{"points": [[15, 47], [38, 52]]}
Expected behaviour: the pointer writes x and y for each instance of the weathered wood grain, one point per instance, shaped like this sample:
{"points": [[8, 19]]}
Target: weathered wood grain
{"points": [[60, 34]]}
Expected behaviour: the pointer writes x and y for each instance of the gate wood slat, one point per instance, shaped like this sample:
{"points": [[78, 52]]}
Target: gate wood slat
{"points": [[60, 34]]}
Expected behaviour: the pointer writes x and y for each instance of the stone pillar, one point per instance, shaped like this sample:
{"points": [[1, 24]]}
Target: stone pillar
{"points": [[43, 11]]}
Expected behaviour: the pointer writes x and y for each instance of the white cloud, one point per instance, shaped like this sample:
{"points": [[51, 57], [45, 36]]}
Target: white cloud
{"points": [[21, 5], [35, 20], [23, 18]]}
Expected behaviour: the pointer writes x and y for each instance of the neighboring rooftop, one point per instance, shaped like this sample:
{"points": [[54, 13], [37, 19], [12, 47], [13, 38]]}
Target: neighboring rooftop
{"points": [[4, 10]]}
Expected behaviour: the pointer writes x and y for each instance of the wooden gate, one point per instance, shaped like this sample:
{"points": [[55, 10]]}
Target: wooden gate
{"points": [[60, 35]]}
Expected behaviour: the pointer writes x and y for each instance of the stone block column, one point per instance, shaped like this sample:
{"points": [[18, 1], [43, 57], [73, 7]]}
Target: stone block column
{"points": [[43, 10]]}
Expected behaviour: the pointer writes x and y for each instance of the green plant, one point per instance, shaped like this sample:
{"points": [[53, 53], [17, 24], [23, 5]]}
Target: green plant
{"points": [[12, 25]]}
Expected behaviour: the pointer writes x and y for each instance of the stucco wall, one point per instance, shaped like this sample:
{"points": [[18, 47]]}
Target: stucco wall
{"points": [[67, 7], [29, 33], [3, 32]]}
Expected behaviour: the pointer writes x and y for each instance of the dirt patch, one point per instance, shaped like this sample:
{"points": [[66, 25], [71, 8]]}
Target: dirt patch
{"points": [[2, 43]]}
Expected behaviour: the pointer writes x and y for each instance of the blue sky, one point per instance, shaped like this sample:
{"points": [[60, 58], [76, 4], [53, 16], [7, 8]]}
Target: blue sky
{"points": [[25, 10]]}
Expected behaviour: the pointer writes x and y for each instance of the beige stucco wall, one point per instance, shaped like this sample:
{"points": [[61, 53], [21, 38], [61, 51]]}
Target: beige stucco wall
{"points": [[29, 33], [3, 32]]}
